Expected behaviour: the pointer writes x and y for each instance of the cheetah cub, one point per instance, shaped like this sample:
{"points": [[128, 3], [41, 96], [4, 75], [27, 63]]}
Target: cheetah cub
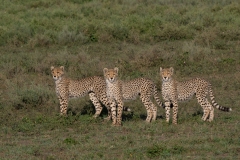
{"points": [[114, 94], [173, 91], [146, 90], [67, 88]]}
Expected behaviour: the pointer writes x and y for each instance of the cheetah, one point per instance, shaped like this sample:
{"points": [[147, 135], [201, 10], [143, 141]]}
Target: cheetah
{"points": [[145, 89], [67, 88], [114, 94], [173, 91]]}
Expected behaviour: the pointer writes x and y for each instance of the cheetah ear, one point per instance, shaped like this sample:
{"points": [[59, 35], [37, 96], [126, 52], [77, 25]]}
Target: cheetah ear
{"points": [[105, 70], [62, 68], [116, 69], [160, 69], [52, 68], [171, 69]]}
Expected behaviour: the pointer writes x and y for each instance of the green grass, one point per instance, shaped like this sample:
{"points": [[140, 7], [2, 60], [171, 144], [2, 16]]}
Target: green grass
{"points": [[197, 38]]}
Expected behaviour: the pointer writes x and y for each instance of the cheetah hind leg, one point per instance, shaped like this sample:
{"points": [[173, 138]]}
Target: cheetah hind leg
{"points": [[205, 114], [202, 100], [149, 115], [96, 103], [108, 118], [207, 110], [106, 103], [211, 114], [148, 108], [154, 112]]}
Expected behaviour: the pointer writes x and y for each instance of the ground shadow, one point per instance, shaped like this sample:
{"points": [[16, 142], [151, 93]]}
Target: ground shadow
{"points": [[143, 117], [89, 109]]}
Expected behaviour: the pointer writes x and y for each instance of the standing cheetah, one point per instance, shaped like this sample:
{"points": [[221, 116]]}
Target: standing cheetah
{"points": [[173, 91], [114, 93], [144, 88], [66, 88]]}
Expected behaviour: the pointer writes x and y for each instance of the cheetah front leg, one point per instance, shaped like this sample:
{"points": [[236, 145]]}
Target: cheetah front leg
{"points": [[167, 110], [63, 106], [175, 112], [113, 112], [119, 112], [96, 103]]}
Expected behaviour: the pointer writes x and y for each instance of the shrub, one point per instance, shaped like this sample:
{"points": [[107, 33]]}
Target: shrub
{"points": [[158, 151], [19, 34], [39, 40], [32, 96], [70, 141], [119, 32], [164, 151], [172, 32], [67, 36]]}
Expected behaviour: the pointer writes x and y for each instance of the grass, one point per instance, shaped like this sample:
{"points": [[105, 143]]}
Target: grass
{"points": [[197, 38], [60, 138]]}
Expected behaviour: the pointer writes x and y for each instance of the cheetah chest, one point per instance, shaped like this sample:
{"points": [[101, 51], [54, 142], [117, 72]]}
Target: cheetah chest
{"points": [[113, 90], [167, 91]]}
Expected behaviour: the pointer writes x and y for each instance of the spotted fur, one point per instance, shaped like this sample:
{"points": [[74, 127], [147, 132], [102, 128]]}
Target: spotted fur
{"points": [[145, 89], [173, 91], [114, 93], [67, 88]]}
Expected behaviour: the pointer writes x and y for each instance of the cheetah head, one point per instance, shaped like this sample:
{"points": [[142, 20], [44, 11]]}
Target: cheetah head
{"points": [[166, 73], [110, 74], [57, 72]]}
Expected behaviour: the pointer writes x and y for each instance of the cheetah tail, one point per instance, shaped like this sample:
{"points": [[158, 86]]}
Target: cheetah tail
{"points": [[156, 97], [215, 104]]}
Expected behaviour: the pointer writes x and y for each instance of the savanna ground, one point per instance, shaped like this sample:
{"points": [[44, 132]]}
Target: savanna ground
{"points": [[197, 38]]}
